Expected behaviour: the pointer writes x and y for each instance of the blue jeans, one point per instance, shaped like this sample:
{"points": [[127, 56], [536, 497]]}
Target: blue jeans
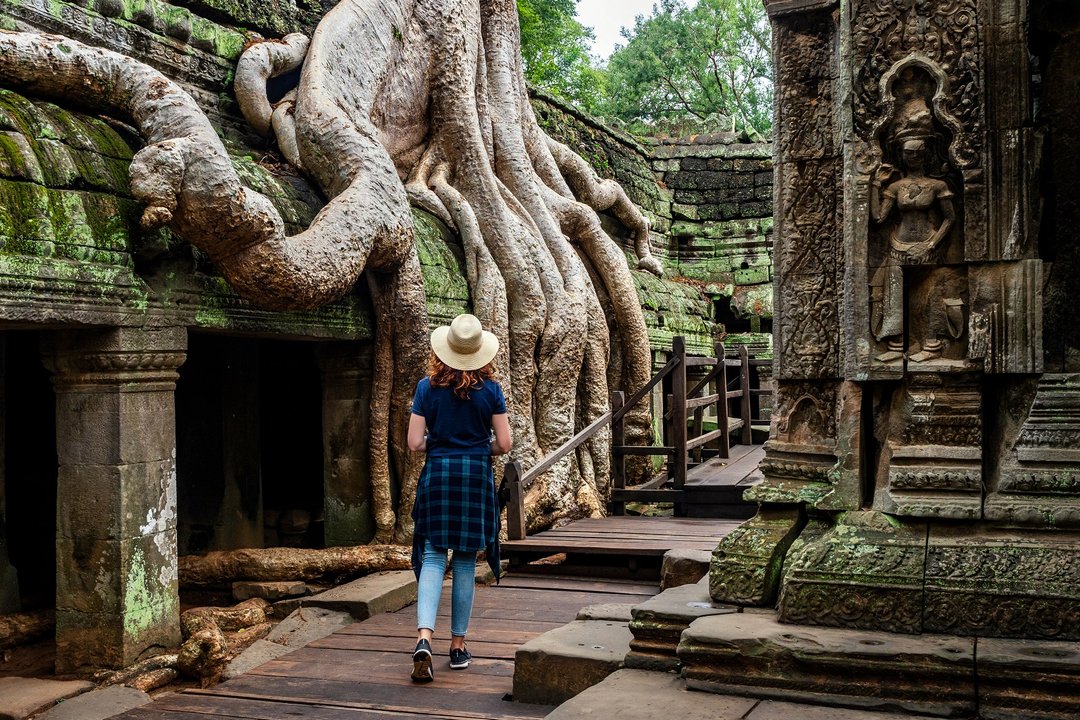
{"points": [[429, 589]]}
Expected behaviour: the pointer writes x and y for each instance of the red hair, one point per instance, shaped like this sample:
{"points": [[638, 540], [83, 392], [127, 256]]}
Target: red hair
{"points": [[462, 381]]}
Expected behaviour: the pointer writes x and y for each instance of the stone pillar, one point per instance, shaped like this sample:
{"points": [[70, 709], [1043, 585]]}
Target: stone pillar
{"points": [[9, 576], [346, 399], [116, 586]]}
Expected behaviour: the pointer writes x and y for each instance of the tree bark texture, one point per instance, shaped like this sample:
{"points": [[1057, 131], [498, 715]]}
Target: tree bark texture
{"points": [[269, 564], [401, 102]]}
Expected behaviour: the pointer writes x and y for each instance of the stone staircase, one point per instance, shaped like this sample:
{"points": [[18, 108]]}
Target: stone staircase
{"points": [[682, 656]]}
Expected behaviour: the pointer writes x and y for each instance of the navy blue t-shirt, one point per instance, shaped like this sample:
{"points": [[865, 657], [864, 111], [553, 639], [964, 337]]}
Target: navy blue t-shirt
{"points": [[456, 426]]}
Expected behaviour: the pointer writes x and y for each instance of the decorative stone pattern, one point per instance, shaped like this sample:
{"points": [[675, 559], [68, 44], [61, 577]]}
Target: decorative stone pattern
{"points": [[746, 565], [863, 572], [808, 214], [1023, 584], [933, 456]]}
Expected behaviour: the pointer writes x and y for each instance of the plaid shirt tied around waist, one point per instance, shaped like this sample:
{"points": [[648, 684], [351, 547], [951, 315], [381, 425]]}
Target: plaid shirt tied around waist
{"points": [[456, 508]]}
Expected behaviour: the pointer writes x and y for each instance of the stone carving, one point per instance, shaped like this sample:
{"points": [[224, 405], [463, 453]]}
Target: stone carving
{"points": [[942, 32], [914, 208], [808, 252], [1006, 316], [932, 462], [746, 565], [1039, 478], [1003, 584], [864, 572]]}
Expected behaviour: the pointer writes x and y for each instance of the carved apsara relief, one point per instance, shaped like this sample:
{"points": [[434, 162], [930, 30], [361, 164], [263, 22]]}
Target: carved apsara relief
{"points": [[917, 300]]}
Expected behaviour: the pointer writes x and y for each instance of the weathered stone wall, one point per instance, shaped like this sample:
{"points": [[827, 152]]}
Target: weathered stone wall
{"points": [[709, 202]]}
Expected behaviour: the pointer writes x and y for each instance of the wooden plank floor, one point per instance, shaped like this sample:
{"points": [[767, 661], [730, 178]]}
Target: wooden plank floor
{"points": [[626, 536], [741, 469], [361, 672]]}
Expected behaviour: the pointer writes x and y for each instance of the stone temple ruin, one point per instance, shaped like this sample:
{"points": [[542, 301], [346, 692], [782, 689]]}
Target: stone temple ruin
{"points": [[150, 412], [921, 475]]}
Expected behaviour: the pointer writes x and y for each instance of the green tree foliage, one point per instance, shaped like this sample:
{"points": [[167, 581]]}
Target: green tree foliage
{"points": [[697, 69], [555, 48]]}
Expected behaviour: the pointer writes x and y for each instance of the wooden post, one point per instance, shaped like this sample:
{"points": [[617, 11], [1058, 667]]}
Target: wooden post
{"points": [[515, 506], [722, 404], [744, 373], [618, 459], [678, 414]]}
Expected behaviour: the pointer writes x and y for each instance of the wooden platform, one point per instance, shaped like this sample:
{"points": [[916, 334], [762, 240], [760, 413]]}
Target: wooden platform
{"points": [[639, 542], [362, 671], [713, 488]]}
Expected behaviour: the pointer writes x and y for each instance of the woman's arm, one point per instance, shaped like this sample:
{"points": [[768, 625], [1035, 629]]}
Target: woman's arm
{"points": [[501, 425], [417, 433]]}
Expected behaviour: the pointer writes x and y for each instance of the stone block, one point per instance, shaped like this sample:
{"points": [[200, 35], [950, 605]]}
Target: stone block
{"points": [[98, 704], [746, 564], [755, 655], [772, 710], [259, 652], [370, 595], [616, 612], [1028, 679], [22, 697], [683, 567], [268, 590], [554, 667], [640, 695], [866, 572], [308, 624], [116, 502], [658, 623], [1022, 584]]}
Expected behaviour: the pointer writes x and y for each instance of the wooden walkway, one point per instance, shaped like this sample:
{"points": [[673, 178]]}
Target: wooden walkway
{"points": [[621, 538], [362, 671]]}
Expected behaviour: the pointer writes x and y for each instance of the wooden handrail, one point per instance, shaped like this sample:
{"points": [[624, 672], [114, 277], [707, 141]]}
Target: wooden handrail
{"points": [[640, 394], [566, 448], [677, 445]]}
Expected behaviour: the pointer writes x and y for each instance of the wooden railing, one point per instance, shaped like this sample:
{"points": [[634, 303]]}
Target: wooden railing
{"points": [[685, 415]]}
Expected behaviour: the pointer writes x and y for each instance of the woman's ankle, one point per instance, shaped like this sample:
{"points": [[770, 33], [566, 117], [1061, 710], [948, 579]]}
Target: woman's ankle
{"points": [[457, 642]]}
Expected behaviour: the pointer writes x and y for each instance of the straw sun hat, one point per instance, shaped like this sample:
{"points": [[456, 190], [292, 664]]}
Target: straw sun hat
{"points": [[463, 344]]}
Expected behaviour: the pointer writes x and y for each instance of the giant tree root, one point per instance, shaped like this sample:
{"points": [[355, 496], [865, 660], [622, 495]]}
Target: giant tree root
{"points": [[268, 564], [22, 628], [401, 101]]}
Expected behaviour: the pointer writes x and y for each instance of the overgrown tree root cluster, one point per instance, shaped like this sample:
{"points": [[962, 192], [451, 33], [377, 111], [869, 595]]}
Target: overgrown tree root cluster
{"points": [[399, 102]]}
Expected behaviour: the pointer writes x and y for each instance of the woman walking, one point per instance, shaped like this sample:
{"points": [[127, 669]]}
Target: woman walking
{"points": [[459, 419]]}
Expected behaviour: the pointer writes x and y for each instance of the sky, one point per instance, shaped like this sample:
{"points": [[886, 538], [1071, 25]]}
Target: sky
{"points": [[605, 17]]}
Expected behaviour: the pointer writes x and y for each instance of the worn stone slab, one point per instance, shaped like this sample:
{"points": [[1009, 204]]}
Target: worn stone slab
{"points": [[370, 595], [772, 710], [259, 652], [640, 695], [22, 697], [554, 667], [1028, 679], [753, 654], [308, 624], [245, 590], [658, 623], [682, 566], [98, 704], [618, 612]]}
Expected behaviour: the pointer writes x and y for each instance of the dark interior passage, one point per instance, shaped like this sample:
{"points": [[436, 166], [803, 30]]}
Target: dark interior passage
{"points": [[249, 444], [30, 468]]}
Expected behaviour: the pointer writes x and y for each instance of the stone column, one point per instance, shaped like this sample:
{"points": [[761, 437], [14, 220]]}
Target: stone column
{"points": [[346, 399], [116, 586]]}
